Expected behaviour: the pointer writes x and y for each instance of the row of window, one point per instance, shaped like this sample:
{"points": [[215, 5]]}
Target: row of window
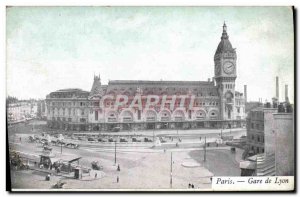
{"points": [[258, 138], [66, 111], [111, 103], [257, 150], [207, 104], [257, 115], [238, 109], [69, 119], [229, 86], [239, 102], [257, 126], [160, 89], [69, 104]]}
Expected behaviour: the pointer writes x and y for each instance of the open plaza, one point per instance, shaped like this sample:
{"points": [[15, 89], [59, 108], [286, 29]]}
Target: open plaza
{"points": [[175, 159]]}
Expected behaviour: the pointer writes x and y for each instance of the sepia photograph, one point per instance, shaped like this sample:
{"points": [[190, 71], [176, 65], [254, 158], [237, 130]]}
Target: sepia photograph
{"points": [[137, 98]]}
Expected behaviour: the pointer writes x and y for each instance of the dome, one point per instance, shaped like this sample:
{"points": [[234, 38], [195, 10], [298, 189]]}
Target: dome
{"points": [[224, 44]]}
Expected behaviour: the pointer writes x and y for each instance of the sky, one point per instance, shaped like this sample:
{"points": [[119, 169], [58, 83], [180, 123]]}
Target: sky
{"points": [[51, 48]]}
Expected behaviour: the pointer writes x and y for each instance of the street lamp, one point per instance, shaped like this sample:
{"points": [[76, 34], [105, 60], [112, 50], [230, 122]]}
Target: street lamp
{"points": [[115, 152], [171, 175], [204, 149], [221, 133], [153, 135]]}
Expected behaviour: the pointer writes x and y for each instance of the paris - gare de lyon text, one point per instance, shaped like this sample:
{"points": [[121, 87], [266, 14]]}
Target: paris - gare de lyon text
{"points": [[130, 104]]}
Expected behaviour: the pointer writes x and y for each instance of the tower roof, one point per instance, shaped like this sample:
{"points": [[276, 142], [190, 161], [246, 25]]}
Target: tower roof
{"points": [[224, 44], [96, 88]]}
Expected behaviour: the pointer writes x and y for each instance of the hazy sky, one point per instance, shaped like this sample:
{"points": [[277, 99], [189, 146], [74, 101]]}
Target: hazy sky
{"points": [[51, 48]]}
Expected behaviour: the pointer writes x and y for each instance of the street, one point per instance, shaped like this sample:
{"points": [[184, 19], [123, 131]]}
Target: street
{"points": [[142, 165]]}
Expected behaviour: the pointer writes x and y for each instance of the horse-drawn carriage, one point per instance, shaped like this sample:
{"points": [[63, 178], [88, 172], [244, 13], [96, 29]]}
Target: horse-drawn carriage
{"points": [[47, 148], [72, 145], [16, 162], [96, 165]]}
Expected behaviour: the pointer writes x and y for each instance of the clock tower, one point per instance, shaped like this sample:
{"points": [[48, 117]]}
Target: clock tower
{"points": [[225, 75]]}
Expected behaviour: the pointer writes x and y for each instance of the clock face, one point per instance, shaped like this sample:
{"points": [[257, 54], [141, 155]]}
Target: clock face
{"points": [[228, 67]]}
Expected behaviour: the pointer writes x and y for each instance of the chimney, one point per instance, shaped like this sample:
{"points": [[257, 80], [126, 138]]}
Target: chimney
{"points": [[277, 88], [286, 93], [245, 93]]}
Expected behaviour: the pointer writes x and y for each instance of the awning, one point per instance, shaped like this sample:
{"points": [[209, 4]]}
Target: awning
{"points": [[248, 165]]}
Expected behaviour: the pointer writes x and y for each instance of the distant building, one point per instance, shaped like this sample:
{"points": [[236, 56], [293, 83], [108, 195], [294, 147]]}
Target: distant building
{"points": [[68, 109], [41, 109], [252, 105], [259, 121], [270, 140], [21, 111]]}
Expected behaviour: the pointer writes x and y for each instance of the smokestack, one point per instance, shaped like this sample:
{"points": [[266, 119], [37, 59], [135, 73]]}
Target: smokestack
{"points": [[245, 93], [286, 93], [277, 88]]}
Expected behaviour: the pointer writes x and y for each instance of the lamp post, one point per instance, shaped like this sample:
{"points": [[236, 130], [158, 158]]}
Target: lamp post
{"points": [[115, 152], [60, 147], [221, 133], [204, 149], [171, 170], [153, 135]]}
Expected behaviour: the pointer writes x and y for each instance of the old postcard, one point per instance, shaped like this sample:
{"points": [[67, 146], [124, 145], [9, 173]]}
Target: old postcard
{"points": [[150, 98]]}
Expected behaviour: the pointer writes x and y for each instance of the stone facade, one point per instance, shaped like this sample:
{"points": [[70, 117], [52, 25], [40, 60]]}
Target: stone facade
{"points": [[284, 141], [21, 111], [206, 104], [270, 136], [255, 131]]}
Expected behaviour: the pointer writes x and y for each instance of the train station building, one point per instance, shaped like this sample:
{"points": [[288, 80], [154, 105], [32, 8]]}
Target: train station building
{"points": [[138, 104]]}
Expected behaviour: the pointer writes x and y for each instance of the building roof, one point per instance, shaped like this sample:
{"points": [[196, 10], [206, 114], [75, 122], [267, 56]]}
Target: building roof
{"points": [[96, 88], [69, 93], [145, 82], [69, 90]]}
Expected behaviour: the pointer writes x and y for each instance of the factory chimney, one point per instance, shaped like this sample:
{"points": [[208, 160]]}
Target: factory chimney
{"points": [[245, 93], [277, 88], [286, 93]]}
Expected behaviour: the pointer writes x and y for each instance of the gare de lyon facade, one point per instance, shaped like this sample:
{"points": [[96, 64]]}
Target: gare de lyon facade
{"points": [[126, 104]]}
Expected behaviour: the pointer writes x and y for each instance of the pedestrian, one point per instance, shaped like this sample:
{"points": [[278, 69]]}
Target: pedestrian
{"points": [[117, 179], [200, 138], [193, 186], [189, 185], [20, 139], [118, 169], [95, 175], [48, 177]]}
